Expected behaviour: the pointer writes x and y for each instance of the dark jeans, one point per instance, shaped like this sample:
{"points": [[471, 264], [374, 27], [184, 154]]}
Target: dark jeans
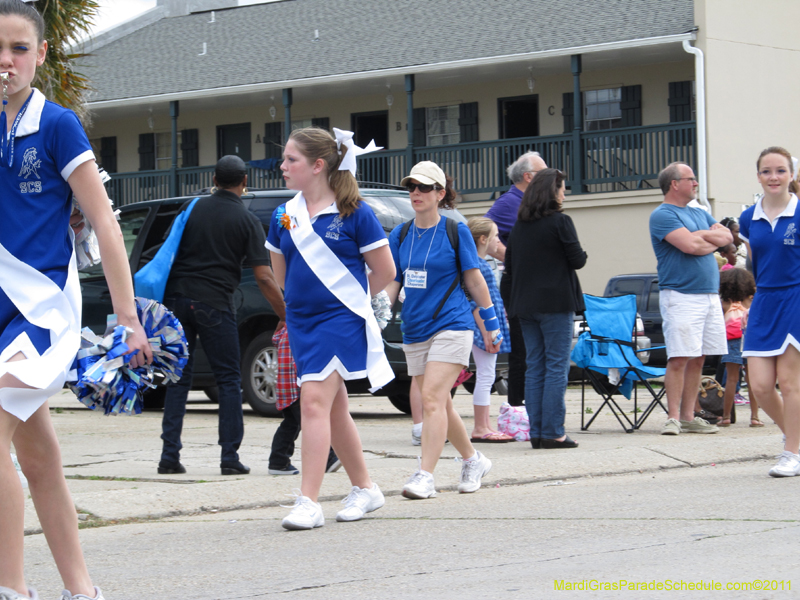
{"points": [[285, 436], [517, 363], [517, 357], [548, 338], [220, 339]]}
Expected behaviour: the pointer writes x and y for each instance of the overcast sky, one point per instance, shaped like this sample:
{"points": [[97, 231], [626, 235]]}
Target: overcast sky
{"points": [[113, 12]]}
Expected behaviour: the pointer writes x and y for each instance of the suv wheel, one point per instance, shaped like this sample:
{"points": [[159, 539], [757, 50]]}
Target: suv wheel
{"points": [[260, 374], [401, 402]]}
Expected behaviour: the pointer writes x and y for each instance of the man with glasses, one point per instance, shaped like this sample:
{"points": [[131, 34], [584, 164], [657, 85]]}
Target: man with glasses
{"points": [[684, 239], [504, 214]]}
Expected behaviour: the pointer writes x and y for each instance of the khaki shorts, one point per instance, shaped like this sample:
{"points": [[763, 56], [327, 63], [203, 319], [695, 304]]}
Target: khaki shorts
{"points": [[445, 346]]}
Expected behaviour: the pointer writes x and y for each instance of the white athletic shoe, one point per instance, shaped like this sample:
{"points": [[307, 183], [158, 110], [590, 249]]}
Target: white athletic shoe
{"points": [[416, 435], [359, 502], [98, 595], [9, 594], [471, 473], [419, 486], [306, 514], [788, 465]]}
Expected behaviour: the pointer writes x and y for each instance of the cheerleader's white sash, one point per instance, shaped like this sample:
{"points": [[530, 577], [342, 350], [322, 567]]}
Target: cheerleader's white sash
{"points": [[342, 284], [42, 303]]}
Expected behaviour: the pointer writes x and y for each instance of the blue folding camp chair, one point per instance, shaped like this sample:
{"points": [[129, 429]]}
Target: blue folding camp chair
{"points": [[610, 345]]}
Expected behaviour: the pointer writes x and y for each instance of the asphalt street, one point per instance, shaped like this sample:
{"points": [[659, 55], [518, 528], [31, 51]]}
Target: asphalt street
{"points": [[621, 514]]}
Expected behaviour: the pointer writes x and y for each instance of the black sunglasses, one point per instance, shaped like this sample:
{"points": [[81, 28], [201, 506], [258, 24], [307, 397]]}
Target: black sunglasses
{"points": [[424, 188]]}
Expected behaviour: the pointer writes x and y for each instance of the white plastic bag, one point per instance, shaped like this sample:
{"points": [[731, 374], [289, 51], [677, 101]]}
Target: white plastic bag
{"points": [[513, 421]]}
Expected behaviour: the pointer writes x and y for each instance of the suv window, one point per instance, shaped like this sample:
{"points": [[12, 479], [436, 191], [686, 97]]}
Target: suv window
{"points": [[652, 299], [629, 286], [130, 223]]}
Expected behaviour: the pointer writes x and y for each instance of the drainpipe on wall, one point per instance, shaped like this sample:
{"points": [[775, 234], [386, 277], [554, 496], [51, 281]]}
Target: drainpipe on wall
{"points": [[700, 86]]}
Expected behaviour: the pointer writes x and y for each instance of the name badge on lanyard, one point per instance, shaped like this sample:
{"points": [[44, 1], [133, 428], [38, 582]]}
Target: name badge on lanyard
{"points": [[416, 279]]}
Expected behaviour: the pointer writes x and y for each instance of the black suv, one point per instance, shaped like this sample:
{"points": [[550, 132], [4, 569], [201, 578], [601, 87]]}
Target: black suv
{"points": [[144, 226]]}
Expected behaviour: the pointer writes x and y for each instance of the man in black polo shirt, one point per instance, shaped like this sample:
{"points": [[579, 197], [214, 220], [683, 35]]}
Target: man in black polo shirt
{"points": [[221, 236]]}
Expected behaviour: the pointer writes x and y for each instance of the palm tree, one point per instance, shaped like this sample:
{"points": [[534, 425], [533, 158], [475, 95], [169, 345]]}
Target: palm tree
{"points": [[65, 21]]}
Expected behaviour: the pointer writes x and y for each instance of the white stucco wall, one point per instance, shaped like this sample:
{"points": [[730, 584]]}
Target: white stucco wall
{"points": [[752, 57]]}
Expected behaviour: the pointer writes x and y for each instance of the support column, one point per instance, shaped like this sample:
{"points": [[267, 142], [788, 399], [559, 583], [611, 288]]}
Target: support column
{"points": [[577, 123], [410, 119], [287, 114], [174, 110]]}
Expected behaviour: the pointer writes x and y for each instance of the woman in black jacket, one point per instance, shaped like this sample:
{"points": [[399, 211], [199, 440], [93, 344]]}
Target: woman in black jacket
{"points": [[542, 256]]}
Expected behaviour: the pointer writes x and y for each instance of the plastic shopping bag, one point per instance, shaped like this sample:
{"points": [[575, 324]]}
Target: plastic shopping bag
{"points": [[513, 421]]}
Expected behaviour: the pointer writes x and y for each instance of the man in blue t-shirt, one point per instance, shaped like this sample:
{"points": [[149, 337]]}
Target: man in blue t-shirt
{"points": [[684, 239]]}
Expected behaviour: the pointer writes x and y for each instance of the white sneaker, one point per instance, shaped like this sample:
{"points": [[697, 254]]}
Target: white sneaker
{"points": [[471, 473], [788, 465], [419, 486], [9, 594], [359, 502], [22, 479], [416, 435], [306, 514], [66, 595]]}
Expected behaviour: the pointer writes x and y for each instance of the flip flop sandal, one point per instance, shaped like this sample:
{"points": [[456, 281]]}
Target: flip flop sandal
{"points": [[756, 423], [494, 437]]}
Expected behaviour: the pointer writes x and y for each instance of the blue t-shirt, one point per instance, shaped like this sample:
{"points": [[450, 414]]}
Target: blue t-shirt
{"points": [[685, 273], [775, 246], [433, 253]]}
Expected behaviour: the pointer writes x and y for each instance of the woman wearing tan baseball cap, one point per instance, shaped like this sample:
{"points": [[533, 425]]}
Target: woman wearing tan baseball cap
{"points": [[437, 320]]}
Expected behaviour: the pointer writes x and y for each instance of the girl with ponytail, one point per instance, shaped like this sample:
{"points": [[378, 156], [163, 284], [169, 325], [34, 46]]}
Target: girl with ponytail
{"points": [[321, 243]]}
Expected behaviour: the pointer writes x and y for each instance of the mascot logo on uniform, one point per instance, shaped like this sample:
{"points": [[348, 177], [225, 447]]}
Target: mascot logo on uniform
{"points": [[789, 236], [30, 164], [335, 228]]}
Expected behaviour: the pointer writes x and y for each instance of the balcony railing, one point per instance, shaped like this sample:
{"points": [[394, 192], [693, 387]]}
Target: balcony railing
{"points": [[612, 160]]}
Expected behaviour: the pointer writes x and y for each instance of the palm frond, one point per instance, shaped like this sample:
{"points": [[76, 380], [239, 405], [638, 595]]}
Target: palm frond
{"points": [[65, 21]]}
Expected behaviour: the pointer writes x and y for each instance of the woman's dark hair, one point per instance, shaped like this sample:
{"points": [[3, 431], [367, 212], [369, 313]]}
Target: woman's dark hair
{"points": [[27, 11], [729, 222], [541, 198], [450, 196], [736, 285]]}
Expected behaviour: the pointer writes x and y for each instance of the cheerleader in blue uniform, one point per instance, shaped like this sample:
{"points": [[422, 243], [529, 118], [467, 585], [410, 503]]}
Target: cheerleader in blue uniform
{"points": [[321, 243], [771, 229], [45, 156]]}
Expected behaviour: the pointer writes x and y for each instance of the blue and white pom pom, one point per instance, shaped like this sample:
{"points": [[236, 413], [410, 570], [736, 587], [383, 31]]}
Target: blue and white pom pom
{"points": [[103, 378]]}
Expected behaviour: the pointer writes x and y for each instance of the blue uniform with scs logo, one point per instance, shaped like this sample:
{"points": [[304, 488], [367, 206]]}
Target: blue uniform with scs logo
{"points": [[324, 334], [774, 320], [40, 297]]}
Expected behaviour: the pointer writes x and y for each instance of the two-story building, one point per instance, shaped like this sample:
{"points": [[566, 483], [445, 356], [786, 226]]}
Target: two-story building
{"points": [[608, 91]]}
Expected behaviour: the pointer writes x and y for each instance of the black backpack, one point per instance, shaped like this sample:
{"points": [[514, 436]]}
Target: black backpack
{"points": [[451, 226]]}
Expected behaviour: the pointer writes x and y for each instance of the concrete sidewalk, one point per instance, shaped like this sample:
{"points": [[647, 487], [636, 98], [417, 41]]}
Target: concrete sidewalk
{"points": [[111, 461]]}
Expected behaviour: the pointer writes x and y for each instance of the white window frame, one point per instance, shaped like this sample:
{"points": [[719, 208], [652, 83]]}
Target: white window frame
{"points": [[441, 125], [163, 141], [601, 109]]}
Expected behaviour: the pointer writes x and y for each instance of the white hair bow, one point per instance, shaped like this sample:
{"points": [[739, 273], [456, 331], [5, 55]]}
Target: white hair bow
{"points": [[345, 138]]}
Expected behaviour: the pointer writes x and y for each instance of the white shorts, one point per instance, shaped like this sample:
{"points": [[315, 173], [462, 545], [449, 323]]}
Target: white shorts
{"points": [[693, 324]]}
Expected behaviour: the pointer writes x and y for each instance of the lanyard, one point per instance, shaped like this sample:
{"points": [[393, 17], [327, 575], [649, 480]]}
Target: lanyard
{"points": [[7, 145], [411, 249]]}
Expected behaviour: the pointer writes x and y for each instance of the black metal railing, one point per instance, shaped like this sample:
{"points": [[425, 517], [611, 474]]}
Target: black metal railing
{"points": [[612, 160]]}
